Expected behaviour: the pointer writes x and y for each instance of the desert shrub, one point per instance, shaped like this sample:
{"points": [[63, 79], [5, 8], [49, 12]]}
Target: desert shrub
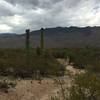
{"points": [[80, 57], [84, 87], [58, 53], [38, 51], [94, 67], [5, 86], [84, 56]]}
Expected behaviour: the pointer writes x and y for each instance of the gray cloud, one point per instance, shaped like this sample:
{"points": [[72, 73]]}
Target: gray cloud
{"points": [[34, 3], [17, 15], [24, 2], [5, 12], [43, 3]]}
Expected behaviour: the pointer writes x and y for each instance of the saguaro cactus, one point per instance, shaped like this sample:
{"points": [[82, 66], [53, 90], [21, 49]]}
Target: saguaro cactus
{"points": [[27, 39], [27, 47], [42, 39]]}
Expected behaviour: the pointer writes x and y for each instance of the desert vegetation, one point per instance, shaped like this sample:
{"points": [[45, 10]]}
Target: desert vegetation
{"points": [[84, 86], [15, 62], [40, 63]]}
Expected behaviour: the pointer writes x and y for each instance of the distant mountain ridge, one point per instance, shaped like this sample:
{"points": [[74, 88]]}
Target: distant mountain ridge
{"points": [[55, 37], [8, 34]]}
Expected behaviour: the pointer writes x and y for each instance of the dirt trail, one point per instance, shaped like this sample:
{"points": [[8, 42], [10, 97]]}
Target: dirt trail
{"points": [[30, 90], [70, 68]]}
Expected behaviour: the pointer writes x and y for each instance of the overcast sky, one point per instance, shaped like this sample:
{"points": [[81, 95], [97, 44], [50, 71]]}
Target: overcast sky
{"points": [[17, 15]]}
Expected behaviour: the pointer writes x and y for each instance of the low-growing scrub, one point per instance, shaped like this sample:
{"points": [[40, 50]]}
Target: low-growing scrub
{"points": [[5, 86], [20, 63], [84, 87], [80, 57]]}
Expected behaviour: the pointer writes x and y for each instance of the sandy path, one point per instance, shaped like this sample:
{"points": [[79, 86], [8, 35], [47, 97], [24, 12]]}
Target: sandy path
{"points": [[30, 90], [70, 68]]}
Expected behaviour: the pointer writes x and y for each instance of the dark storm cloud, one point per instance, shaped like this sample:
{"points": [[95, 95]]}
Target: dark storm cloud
{"points": [[5, 12], [43, 3], [34, 3], [24, 2], [72, 3], [17, 15]]}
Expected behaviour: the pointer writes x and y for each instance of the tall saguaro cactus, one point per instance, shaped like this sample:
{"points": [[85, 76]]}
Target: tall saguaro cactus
{"points": [[27, 39], [27, 47], [42, 39]]}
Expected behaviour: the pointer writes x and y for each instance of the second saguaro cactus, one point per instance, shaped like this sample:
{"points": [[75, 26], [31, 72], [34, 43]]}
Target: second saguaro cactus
{"points": [[42, 39], [27, 39]]}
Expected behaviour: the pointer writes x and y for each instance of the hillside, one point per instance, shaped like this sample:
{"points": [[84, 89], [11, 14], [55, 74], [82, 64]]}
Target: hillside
{"points": [[56, 37]]}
